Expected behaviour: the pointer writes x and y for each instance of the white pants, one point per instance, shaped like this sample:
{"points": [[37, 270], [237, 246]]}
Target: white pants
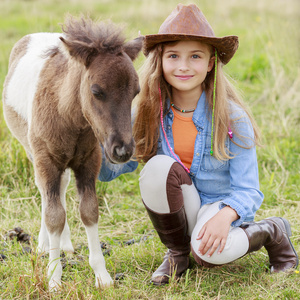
{"points": [[156, 181]]}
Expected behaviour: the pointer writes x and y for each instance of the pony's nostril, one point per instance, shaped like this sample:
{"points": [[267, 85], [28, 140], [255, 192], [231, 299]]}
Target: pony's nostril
{"points": [[122, 153]]}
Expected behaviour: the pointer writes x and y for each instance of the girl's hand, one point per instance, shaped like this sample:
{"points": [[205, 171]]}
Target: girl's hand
{"points": [[215, 231]]}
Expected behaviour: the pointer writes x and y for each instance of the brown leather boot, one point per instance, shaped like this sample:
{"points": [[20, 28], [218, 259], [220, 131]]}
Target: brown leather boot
{"points": [[172, 230], [273, 233]]}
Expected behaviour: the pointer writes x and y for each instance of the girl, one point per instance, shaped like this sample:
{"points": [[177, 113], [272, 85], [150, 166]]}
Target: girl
{"points": [[200, 182]]}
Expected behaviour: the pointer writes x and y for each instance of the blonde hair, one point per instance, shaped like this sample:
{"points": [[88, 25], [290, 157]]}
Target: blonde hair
{"points": [[147, 121]]}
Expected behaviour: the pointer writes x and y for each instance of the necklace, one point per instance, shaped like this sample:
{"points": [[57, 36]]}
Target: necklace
{"points": [[182, 110]]}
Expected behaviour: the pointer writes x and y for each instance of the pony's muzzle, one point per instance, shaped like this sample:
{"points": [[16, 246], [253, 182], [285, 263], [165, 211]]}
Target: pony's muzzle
{"points": [[122, 152]]}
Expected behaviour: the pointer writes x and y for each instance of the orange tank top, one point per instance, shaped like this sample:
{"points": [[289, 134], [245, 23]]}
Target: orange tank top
{"points": [[184, 135]]}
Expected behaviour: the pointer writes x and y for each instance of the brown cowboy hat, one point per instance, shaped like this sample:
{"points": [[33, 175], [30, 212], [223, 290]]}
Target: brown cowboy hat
{"points": [[189, 23]]}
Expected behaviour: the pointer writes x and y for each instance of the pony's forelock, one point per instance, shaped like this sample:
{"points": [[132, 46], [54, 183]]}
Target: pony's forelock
{"points": [[103, 36]]}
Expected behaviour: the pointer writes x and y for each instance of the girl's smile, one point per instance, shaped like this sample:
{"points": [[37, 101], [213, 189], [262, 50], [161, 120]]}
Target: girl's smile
{"points": [[184, 77]]}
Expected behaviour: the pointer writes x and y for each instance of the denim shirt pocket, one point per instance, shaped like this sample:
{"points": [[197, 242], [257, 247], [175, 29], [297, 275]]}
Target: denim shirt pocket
{"points": [[210, 163]]}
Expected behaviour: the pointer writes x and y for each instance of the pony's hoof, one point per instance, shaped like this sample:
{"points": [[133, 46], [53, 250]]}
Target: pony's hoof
{"points": [[104, 281], [54, 285]]}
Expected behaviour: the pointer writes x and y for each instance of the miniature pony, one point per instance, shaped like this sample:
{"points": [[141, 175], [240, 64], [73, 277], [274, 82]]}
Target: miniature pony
{"points": [[64, 95]]}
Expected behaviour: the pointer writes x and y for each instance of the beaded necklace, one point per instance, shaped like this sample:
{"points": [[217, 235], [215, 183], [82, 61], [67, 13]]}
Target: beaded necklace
{"points": [[182, 110]]}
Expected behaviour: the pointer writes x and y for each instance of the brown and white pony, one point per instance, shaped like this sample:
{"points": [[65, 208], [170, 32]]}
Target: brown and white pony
{"points": [[64, 95]]}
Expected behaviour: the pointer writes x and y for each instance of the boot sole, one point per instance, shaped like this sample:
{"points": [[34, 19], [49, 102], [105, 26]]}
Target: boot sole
{"points": [[289, 233], [167, 281], [168, 278]]}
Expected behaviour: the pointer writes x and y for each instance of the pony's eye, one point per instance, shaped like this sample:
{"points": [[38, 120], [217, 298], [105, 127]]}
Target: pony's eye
{"points": [[98, 92]]}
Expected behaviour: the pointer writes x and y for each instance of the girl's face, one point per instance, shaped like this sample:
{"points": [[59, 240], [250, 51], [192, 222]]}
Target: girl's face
{"points": [[185, 65]]}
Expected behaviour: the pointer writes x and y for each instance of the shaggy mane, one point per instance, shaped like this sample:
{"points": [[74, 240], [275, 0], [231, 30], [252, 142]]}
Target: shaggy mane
{"points": [[99, 35]]}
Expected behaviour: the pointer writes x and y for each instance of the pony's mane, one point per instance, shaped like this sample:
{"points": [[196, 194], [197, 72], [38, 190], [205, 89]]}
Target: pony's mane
{"points": [[103, 36]]}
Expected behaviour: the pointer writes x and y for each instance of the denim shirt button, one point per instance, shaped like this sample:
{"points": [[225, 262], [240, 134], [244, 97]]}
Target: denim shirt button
{"points": [[169, 127], [197, 153]]}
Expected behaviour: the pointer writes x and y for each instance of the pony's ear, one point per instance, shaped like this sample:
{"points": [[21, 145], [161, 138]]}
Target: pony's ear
{"points": [[79, 50], [132, 48]]}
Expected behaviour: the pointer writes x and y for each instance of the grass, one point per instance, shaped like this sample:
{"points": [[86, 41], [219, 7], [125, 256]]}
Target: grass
{"points": [[266, 70]]}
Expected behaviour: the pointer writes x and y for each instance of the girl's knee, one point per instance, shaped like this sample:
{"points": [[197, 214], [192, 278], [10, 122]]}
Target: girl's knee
{"points": [[161, 171], [161, 183], [152, 183], [236, 246], [156, 169]]}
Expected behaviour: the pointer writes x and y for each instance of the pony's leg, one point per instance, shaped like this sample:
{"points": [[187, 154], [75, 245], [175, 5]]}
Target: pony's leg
{"points": [[43, 245], [86, 179], [48, 179], [65, 239], [96, 260]]}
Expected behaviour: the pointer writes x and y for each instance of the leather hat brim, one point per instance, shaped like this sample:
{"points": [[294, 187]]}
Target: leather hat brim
{"points": [[226, 46]]}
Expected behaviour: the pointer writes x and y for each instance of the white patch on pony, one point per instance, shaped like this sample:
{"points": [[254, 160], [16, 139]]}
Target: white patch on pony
{"points": [[96, 259], [24, 81], [43, 245], [54, 267], [65, 238], [44, 242]]}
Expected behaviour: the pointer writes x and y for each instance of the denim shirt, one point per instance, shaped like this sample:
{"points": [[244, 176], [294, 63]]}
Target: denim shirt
{"points": [[234, 182]]}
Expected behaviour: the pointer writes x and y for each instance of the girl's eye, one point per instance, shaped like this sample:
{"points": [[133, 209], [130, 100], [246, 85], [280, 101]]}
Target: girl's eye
{"points": [[173, 56], [195, 56]]}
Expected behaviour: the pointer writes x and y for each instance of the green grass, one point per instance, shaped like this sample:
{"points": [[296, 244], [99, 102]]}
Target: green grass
{"points": [[265, 69]]}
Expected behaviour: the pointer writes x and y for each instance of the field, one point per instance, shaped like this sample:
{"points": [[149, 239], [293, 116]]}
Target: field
{"points": [[266, 70]]}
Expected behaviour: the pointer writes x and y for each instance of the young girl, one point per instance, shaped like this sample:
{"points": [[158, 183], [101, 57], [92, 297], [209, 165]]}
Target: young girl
{"points": [[200, 182]]}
